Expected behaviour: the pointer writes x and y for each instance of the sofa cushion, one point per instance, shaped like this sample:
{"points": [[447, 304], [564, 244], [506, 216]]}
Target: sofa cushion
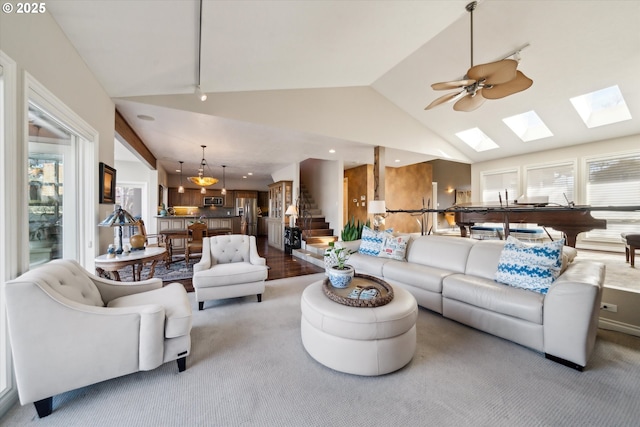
{"points": [[530, 266], [483, 258], [372, 241], [367, 264], [493, 296], [420, 276], [448, 253], [230, 274], [173, 298], [394, 247]]}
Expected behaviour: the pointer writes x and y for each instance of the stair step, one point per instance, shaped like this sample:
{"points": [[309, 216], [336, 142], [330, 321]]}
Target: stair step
{"points": [[308, 256], [312, 225], [321, 240], [317, 232]]}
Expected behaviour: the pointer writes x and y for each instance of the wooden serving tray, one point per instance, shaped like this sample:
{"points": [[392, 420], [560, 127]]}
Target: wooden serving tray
{"points": [[353, 297]]}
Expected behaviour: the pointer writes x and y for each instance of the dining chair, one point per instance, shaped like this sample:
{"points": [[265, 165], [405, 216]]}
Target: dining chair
{"points": [[197, 232]]}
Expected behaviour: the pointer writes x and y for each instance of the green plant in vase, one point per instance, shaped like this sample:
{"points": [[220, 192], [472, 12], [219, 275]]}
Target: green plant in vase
{"points": [[340, 273]]}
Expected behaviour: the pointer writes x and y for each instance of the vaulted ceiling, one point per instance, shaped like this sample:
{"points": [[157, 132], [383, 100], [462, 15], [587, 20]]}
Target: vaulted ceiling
{"points": [[289, 80]]}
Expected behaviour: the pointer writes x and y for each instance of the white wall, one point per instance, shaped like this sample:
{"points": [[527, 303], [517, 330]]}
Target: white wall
{"points": [[39, 47], [323, 179]]}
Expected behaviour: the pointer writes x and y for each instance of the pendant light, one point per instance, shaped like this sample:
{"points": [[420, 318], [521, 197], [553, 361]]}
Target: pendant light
{"points": [[181, 188], [201, 180], [224, 182]]}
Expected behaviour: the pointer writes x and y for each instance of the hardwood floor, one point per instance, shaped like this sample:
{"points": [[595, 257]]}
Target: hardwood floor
{"points": [[280, 264]]}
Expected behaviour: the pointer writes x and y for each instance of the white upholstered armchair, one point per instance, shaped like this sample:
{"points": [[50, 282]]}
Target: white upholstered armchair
{"points": [[230, 267], [70, 328]]}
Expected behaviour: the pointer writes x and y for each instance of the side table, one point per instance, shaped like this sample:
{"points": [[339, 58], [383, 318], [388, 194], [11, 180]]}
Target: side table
{"points": [[108, 267]]}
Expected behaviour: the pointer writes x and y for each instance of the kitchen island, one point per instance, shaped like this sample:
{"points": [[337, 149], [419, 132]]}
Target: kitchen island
{"points": [[215, 225]]}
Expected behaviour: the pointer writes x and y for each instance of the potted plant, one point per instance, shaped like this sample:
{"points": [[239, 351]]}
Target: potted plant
{"points": [[340, 274], [353, 230]]}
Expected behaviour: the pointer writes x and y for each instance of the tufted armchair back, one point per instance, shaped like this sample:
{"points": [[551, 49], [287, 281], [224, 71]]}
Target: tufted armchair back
{"points": [[230, 248], [69, 279]]}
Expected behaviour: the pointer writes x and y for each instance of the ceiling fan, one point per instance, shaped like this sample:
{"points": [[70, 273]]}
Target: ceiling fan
{"points": [[485, 81]]}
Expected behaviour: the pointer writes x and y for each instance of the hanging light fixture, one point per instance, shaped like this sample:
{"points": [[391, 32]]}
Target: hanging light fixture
{"points": [[201, 180], [181, 188], [224, 182]]}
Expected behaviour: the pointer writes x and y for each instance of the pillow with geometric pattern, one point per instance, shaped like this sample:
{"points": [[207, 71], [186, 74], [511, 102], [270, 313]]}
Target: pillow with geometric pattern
{"points": [[372, 240], [533, 267]]}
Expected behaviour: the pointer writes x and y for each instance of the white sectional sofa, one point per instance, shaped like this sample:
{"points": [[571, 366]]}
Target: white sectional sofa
{"points": [[455, 277]]}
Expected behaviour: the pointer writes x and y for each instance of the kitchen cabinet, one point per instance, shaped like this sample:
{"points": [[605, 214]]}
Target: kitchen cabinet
{"points": [[275, 233], [280, 197], [229, 199], [190, 197]]}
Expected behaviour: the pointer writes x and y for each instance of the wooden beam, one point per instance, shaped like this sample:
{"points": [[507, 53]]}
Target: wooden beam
{"points": [[133, 141]]}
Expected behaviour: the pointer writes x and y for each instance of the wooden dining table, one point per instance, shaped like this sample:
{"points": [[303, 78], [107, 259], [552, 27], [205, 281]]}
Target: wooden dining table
{"points": [[171, 234]]}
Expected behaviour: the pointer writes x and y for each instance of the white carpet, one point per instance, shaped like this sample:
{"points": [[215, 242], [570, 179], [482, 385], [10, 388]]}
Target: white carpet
{"points": [[248, 368]]}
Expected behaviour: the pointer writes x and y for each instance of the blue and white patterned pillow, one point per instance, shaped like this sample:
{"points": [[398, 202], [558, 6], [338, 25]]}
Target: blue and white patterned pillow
{"points": [[531, 267], [372, 241]]}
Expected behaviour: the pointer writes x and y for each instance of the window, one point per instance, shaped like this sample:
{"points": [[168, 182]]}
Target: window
{"points": [[554, 181], [614, 181], [499, 184]]}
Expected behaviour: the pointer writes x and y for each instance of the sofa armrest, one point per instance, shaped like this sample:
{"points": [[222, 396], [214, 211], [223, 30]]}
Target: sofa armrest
{"points": [[254, 256], [205, 260], [60, 345], [112, 289], [571, 311]]}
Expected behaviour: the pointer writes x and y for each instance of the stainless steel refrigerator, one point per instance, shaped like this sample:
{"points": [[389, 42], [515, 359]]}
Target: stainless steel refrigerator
{"points": [[247, 210]]}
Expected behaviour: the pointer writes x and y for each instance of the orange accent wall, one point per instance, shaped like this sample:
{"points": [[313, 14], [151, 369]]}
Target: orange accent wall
{"points": [[405, 188]]}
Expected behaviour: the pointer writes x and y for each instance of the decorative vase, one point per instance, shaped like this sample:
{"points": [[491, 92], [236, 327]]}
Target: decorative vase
{"points": [[340, 278], [137, 241]]}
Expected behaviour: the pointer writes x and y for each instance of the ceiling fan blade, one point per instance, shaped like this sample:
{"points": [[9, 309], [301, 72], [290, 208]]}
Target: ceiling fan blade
{"points": [[469, 102], [494, 73], [442, 100], [452, 85], [520, 83]]}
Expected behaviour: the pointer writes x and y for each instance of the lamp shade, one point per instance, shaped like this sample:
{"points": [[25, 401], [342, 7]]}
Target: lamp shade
{"points": [[119, 217], [291, 210], [377, 207]]}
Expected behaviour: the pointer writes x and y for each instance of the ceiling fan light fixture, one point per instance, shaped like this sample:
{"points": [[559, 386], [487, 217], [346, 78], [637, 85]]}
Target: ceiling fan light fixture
{"points": [[500, 78]]}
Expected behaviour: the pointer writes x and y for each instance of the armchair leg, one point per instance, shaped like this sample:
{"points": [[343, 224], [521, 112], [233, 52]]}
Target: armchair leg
{"points": [[200, 305], [182, 364], [259, 297], [44, 407]]}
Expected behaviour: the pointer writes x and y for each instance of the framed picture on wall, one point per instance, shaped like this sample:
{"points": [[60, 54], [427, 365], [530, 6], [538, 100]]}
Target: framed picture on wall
{"points": [[107, 184]]}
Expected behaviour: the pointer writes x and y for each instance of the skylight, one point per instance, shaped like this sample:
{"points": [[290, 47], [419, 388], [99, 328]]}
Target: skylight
{"points": [[601, 107], [477, 140], [528, 126]]}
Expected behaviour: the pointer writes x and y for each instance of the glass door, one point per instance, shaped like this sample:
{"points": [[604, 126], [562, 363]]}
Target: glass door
{"points": [[51, 191]]}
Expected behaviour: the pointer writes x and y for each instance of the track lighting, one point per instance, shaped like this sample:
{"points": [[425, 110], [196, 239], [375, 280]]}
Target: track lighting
{"points": [[201, 94]]}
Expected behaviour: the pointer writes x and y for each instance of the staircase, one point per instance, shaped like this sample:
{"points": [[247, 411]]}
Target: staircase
{"points": [[315, 231]]}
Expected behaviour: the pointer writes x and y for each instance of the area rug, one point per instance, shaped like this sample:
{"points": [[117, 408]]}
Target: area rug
{"points": [[248, 368], [176, 271]]}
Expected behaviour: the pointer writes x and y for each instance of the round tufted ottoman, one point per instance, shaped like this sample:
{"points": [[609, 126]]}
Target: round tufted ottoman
{"points": [[359, 340]]}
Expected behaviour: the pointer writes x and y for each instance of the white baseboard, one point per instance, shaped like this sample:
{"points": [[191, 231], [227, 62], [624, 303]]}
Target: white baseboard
{"points": [[613, 325]]}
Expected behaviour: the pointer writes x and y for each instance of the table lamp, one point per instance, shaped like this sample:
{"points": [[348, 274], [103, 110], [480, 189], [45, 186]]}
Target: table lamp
{"points": [[293, 213], [119, 218], [379, 211]]}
